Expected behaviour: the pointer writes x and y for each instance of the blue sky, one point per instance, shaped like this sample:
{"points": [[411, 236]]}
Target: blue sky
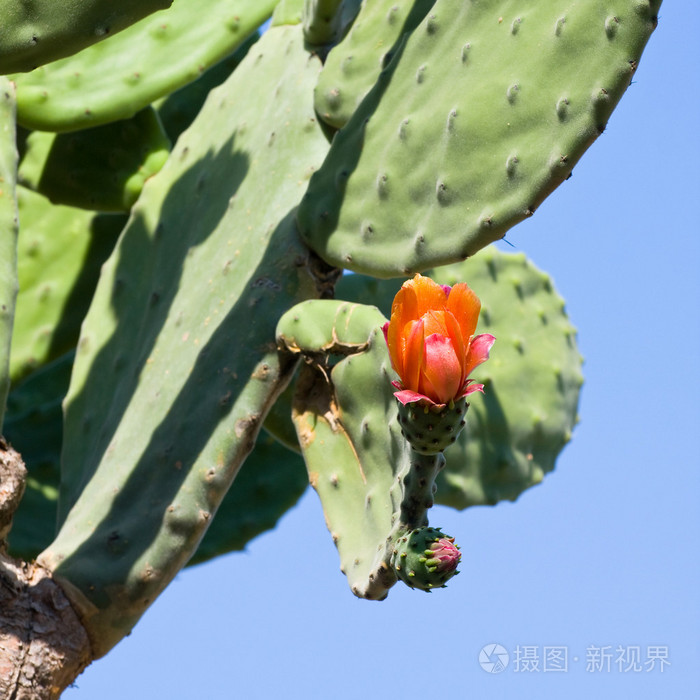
{"points": [[600, 562]]}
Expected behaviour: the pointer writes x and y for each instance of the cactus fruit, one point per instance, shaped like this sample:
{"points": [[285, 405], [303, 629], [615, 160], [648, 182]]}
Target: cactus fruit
{"points": [[164, 434], [124, 74], [431, 429], [425, 558], [461, 138], [35, 33], [101, 169]]}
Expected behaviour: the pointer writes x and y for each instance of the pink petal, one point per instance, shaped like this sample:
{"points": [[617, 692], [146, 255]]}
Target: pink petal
{"points": [[442, 369], [478, 352], [408, 396]]}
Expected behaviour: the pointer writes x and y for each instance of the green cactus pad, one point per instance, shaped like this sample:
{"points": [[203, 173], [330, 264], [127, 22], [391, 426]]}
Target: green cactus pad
{"points": [[118, 77], [8, 233], [34, 426], [412, 559], [485, 111], [34, 33], [353, 66], [60, 252], [102, 169], [177, 363], [348, 433], [431, 429], [517, 429]]}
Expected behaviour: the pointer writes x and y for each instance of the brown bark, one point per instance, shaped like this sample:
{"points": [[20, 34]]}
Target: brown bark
{"points": [[43, 645]]}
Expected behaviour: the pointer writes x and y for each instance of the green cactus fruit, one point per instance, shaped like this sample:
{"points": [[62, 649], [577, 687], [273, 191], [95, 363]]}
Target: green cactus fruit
{"points": [[177, 364], [179, 109], [483, 112], [353, 66], [517, 428], [101, 169], [120, 76], [425, 558], [34, 33], [60, 252], [345, 417], [8, 234], [430, 429], [33, 425]]}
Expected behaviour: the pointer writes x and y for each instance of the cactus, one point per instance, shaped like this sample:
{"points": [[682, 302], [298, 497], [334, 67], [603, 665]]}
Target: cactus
{"points": [[382, 138]]}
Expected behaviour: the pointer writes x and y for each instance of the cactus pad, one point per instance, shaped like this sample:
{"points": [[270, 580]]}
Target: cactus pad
{"points": [[177, 364], [34, 33], [125, 73], [348, 432], [484, 111]]}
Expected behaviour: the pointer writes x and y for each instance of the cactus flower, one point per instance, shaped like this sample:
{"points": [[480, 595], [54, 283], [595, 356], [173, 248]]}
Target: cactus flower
{"points": [[443, 555], [431, 341]]}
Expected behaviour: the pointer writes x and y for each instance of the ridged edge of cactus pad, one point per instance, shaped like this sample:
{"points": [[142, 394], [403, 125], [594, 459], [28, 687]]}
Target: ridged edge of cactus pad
{"points": [[462, 136]]}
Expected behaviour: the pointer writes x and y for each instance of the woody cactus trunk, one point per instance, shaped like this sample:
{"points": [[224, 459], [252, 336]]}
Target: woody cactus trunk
{"points": [[182, 187]]}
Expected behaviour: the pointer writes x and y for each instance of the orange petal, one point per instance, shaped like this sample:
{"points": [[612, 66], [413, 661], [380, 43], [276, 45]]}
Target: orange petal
{"points": [[465, 306], [413, 356]]}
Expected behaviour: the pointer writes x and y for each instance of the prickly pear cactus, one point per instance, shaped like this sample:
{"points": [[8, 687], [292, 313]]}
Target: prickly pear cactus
{"points": [[461, 137], [378, 137]]}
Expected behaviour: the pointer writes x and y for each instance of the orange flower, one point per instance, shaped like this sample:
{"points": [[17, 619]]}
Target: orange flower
{"points": [[431, 341]]}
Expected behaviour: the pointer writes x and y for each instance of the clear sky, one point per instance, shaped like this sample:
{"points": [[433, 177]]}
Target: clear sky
{"points": [[597, 566]]}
